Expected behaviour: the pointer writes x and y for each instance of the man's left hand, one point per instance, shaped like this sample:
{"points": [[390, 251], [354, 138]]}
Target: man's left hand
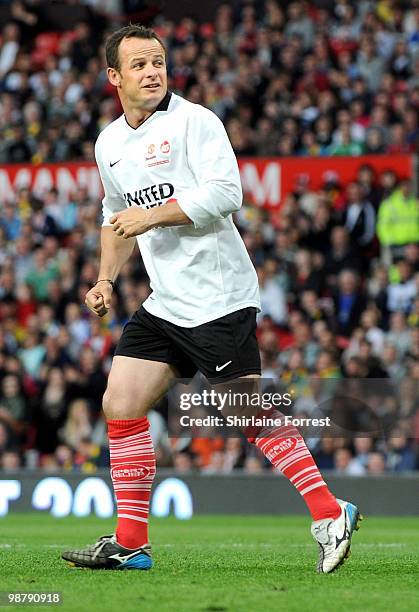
{"points": [[131, 222]]}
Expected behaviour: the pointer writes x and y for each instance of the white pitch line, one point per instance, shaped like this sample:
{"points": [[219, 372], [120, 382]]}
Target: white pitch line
{"points": [[382, 545], [42, 545], [280, 544], [232, 545]]}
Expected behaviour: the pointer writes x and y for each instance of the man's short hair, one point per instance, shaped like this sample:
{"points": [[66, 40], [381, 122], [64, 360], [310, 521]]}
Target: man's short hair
{"points": [[134, 30]]}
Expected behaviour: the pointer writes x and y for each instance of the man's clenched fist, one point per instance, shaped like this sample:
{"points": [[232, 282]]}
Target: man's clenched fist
{"points": [[98, 299]]}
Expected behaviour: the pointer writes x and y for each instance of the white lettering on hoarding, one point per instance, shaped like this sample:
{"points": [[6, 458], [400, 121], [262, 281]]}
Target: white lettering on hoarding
{"points": [[172, 490], [42, 178], [266, 189], [88, 177], [93, 494], [23, 178], [42, 181], [6, 189], [9, 491], [65, 181], [53, 494]]}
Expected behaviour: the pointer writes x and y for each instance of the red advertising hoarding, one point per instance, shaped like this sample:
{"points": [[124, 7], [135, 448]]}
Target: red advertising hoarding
{"points": [[265, 180], [67, 177]]}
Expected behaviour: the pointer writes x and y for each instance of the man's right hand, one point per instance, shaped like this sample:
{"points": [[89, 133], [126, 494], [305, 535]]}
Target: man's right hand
{"points": [[98, 299]]}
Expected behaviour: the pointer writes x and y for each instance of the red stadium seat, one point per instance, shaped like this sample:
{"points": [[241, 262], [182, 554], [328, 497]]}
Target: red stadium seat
{"points": [[48, 41], [38, 57], [207, 30]]}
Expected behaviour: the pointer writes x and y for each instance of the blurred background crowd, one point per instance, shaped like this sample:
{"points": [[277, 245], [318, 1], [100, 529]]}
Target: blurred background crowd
{"points": [[338, 267]]}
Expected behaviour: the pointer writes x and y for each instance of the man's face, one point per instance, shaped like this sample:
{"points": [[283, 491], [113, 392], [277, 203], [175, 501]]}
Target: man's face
{"points": [[142, 77], [405, 188], [354, 193]]}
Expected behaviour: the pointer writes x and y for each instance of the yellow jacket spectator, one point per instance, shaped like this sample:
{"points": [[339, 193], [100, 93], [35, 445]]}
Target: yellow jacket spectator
{"points": [[398, 218]]}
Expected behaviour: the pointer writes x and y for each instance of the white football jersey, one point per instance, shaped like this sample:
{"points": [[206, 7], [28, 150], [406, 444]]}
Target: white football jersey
{"points": [[197, 272]]}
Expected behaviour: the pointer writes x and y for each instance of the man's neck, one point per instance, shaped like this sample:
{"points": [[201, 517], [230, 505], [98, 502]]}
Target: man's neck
{"points": [[135, 117]]}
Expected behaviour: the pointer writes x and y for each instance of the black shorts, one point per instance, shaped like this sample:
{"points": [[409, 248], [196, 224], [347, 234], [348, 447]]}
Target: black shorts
{"points": [[222, 350]]}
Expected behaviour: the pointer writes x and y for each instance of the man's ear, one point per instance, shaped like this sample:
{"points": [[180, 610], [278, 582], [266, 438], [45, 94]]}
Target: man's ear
{"points": [[114, 77]]}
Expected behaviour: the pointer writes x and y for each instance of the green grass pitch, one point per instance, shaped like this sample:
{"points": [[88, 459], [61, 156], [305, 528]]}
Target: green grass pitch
{"points": [[216, 563]]}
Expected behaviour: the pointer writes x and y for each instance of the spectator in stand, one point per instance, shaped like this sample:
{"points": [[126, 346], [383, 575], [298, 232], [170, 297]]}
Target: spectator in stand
{"points": [[10, 461], [88, 381], [344, 463], [374, 142], [51, 410], [391, 363], [324, 455], [6, 439], [327, 365], [311, 307], [349, 302], [413, 319], [182, 462], [398, 219], [370, 66], [387, 183], [31, 354], [341, 255], [346, 146], [398, 140], [11, 222], [359, 218], [18, 151], [41, 273], [77, 426], [374, 335], [376, 464], [317, 230], [253, 464], [304, 342], [307, 277], [272, 297], [399, 333], [367, 179], [10, 48], [299, 24], [13, 406], [400, 457], [400, 295]]}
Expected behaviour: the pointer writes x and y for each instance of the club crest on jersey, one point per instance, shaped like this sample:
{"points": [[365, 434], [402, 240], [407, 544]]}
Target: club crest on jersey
{"points": [[165, 147], [151, 152], [157, 155]]}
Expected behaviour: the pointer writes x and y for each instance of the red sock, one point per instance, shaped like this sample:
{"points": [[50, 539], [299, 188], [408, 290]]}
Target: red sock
{"points": [[287, 451], [133, 466]]}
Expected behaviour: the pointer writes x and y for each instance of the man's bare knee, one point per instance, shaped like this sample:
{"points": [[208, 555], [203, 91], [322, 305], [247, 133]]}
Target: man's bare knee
{"points": [[119, 403]]}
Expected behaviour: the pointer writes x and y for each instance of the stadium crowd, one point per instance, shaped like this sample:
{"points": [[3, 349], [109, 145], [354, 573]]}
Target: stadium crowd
{"points": [[338, 267]]}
